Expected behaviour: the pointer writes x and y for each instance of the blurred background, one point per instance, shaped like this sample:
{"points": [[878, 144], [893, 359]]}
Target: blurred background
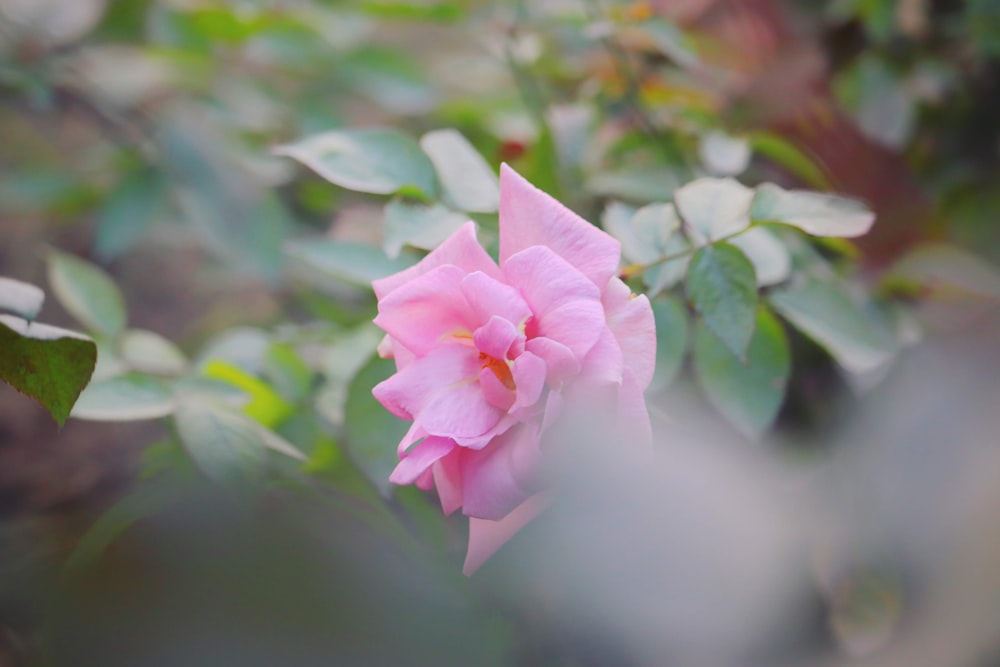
{"points": [[141, 134]]}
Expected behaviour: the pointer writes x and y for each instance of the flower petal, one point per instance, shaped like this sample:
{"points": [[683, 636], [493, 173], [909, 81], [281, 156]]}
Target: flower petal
{"points": [[486, 537], [529, 372], [496, 393], [461, 249], [488, 297], [630, 319], [546, 280], [415, 462], [409, 391], [448, 479], [420, 313], [460, 412], [530, 217], [496, 337], [560, 363], [500, 477]]}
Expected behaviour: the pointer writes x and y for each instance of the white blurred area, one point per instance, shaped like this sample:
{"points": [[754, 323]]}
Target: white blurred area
{"points": [[879, 546]]}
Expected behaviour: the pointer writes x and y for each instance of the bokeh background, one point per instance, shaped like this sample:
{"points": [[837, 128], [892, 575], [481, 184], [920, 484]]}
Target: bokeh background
{"points": [[862, 529]]}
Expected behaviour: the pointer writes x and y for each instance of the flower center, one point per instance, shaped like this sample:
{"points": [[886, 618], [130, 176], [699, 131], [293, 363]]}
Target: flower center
{"points": [[499, 368]]}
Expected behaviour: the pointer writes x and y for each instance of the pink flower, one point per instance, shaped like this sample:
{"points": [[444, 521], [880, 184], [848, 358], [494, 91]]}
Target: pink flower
{"points": [[488, 356]]}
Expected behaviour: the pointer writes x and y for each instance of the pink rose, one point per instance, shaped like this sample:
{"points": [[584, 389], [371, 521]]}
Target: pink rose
{"points": [[488, 356]]}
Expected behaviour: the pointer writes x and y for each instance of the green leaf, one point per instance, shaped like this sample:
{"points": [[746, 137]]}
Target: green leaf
{"points": [[266, 406], [671, 319], [825, 312], [372, 431], [21, 299], [225, 445], [129, 397], [88, 293], [417, 225], [713, 208], [380, 161], [748, 393], [149, 352], [938, 265], [469, 182], [647, 236], [812, 212], [130, 210], [49, 364], [671, 41], [722, 285], [793, 158], [355, 263], [643, 185]]}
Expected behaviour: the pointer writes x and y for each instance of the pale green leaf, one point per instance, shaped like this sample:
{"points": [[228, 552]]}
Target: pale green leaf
{"points": [[354, 263], [380, 161], [129, 397], [417, 225], [88, 293], [723, 288], [132, 207], [724, 155], [20, 299], [372, 431], [829, 315], [812, 212], [770, 257], [468, 181], [225, 445], [713, 208], [748, 393], [149, 352]]}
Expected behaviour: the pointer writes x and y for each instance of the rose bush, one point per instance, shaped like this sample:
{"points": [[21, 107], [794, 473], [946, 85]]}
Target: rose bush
{"points": [[489, 356]]}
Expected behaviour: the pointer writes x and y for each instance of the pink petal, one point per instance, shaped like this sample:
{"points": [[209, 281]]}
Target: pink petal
{"points": [[419, 314], [486, 537], [630, 319], [409, 391], [560, 363], [488, 297], [448, 480], [529, 372], [460, 249], [498, 478], [496, 337], [633, 414], [415, 462], [578, 325], [604, 364], [530, 217], [461, 412], [546, 280], [494, 391]]}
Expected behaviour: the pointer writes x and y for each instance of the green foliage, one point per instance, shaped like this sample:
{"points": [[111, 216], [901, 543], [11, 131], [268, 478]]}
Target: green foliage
{"points": [[88, 293], [722, 286]]}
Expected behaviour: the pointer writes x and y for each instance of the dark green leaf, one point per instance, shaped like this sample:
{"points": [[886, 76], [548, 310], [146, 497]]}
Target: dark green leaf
{"points": [[671, 338], [748, 393], [88, 293], [49, 364], [372, 431], [722, 285], [380, 161], [786, 154]]}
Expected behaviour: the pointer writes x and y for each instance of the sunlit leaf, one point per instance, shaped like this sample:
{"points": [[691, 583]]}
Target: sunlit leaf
{"points": [[150, 352], [88, 293], [49, 364], [812, 212], [749, 392], [723, 288], [380, 161], [266, 406]]}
